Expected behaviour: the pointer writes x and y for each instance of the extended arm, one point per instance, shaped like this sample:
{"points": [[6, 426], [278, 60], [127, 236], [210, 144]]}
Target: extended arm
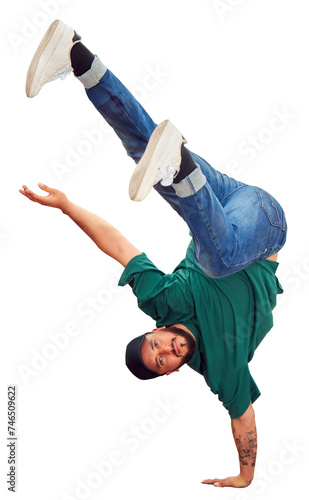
{"points": [[245, 437], [104, 235]]}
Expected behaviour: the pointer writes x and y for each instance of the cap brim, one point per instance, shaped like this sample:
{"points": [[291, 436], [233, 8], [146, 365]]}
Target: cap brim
{"points": [[135, 362]]}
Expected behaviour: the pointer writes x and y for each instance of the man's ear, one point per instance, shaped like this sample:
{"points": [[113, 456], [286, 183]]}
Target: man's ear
{"points": [[169, 373], [160, 328]]}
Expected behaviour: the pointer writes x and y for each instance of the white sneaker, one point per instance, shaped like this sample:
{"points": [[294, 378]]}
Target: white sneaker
{"points": [[160, 161], [52, 57]]}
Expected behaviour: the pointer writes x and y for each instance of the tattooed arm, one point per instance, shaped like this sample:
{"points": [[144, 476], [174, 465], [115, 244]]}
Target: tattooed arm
{"points": [[245, 437]]}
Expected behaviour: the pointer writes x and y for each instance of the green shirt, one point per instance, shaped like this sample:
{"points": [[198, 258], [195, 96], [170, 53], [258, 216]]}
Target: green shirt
{"points": [[229, 317]]}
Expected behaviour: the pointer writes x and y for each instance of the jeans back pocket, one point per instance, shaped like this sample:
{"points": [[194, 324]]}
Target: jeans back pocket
{"points": [[272, 209]]}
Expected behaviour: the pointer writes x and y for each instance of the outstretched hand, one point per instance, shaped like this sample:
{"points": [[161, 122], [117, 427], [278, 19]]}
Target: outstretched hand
{"points": [[232, 482], [55, 198]]}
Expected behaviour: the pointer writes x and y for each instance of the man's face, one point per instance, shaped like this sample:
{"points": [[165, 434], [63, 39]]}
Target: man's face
{"points": [[163, 351]]}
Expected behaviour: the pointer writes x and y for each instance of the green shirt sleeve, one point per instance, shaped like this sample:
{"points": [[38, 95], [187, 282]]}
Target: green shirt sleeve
{"points": [[237, 391], [165, 297]]}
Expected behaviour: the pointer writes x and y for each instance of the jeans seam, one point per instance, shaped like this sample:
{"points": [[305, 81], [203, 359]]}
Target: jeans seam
{"points": [[232, 192], [119, 103], [214, 240], [191, 185]]}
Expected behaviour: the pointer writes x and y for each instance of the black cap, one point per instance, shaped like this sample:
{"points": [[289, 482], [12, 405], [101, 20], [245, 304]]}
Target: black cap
{"points": [[134, 360]]}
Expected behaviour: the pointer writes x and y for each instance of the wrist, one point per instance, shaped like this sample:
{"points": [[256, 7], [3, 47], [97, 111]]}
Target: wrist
{"points": [[246, 478], [66, 207]]}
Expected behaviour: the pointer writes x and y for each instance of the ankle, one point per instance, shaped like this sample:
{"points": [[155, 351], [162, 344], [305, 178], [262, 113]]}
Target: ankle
{"points": [[81, 59], [187, 165]]}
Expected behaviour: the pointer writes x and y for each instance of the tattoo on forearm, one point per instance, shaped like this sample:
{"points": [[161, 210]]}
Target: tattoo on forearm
{"points": [[247, 447]]}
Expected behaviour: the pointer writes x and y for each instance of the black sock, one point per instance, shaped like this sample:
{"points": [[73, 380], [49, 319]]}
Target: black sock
{"points": [[187, 165], [81, 59]]}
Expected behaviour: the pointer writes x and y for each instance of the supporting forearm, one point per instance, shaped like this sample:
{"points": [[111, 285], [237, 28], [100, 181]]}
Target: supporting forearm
{"points": [[245, 437], [103, 234]]}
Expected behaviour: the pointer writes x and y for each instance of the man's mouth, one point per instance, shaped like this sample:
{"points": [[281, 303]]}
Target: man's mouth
{"points": [[176, 347]]}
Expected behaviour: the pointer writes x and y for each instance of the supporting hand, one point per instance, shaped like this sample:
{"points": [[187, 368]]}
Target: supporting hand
{"points": [[245, 437], [55, 198], [232, 482]]}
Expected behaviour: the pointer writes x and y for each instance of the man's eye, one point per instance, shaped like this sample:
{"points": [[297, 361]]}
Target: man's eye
{"points": [[161, 361], [155, 343]]}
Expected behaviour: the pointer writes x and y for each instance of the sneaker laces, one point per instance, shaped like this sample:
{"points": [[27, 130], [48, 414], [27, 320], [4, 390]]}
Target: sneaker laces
{"points": [[167, 176], [62, 73]]}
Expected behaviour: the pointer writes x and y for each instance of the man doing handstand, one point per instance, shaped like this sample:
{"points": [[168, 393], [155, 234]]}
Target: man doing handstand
{"points": [[216, 307]]}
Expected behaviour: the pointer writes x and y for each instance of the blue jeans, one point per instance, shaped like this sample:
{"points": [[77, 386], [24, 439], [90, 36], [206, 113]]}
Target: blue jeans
{"points": [[233, 224]]}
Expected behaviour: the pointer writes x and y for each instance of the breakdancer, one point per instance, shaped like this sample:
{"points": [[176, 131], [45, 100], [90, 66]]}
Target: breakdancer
{"points": [[216, 307]]}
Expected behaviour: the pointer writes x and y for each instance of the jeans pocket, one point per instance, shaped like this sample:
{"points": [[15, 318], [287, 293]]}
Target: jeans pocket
{"points": [[272, 209]]}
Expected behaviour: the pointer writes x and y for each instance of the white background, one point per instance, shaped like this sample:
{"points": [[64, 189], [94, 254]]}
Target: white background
{"points": [[223, 71]]}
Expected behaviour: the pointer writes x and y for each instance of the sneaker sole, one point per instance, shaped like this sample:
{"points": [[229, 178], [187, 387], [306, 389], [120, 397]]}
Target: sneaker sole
{"points": [[158, 153], [42, 56]]}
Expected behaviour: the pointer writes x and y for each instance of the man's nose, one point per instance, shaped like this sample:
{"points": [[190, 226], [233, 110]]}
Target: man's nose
{"points": [[166, 349]]}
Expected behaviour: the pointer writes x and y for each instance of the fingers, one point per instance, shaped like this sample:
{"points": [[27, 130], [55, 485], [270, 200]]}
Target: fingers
{"points": [[26, 192], [232, 482], [32, 196], [215, 482], [45, 188], [54, 198]]}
